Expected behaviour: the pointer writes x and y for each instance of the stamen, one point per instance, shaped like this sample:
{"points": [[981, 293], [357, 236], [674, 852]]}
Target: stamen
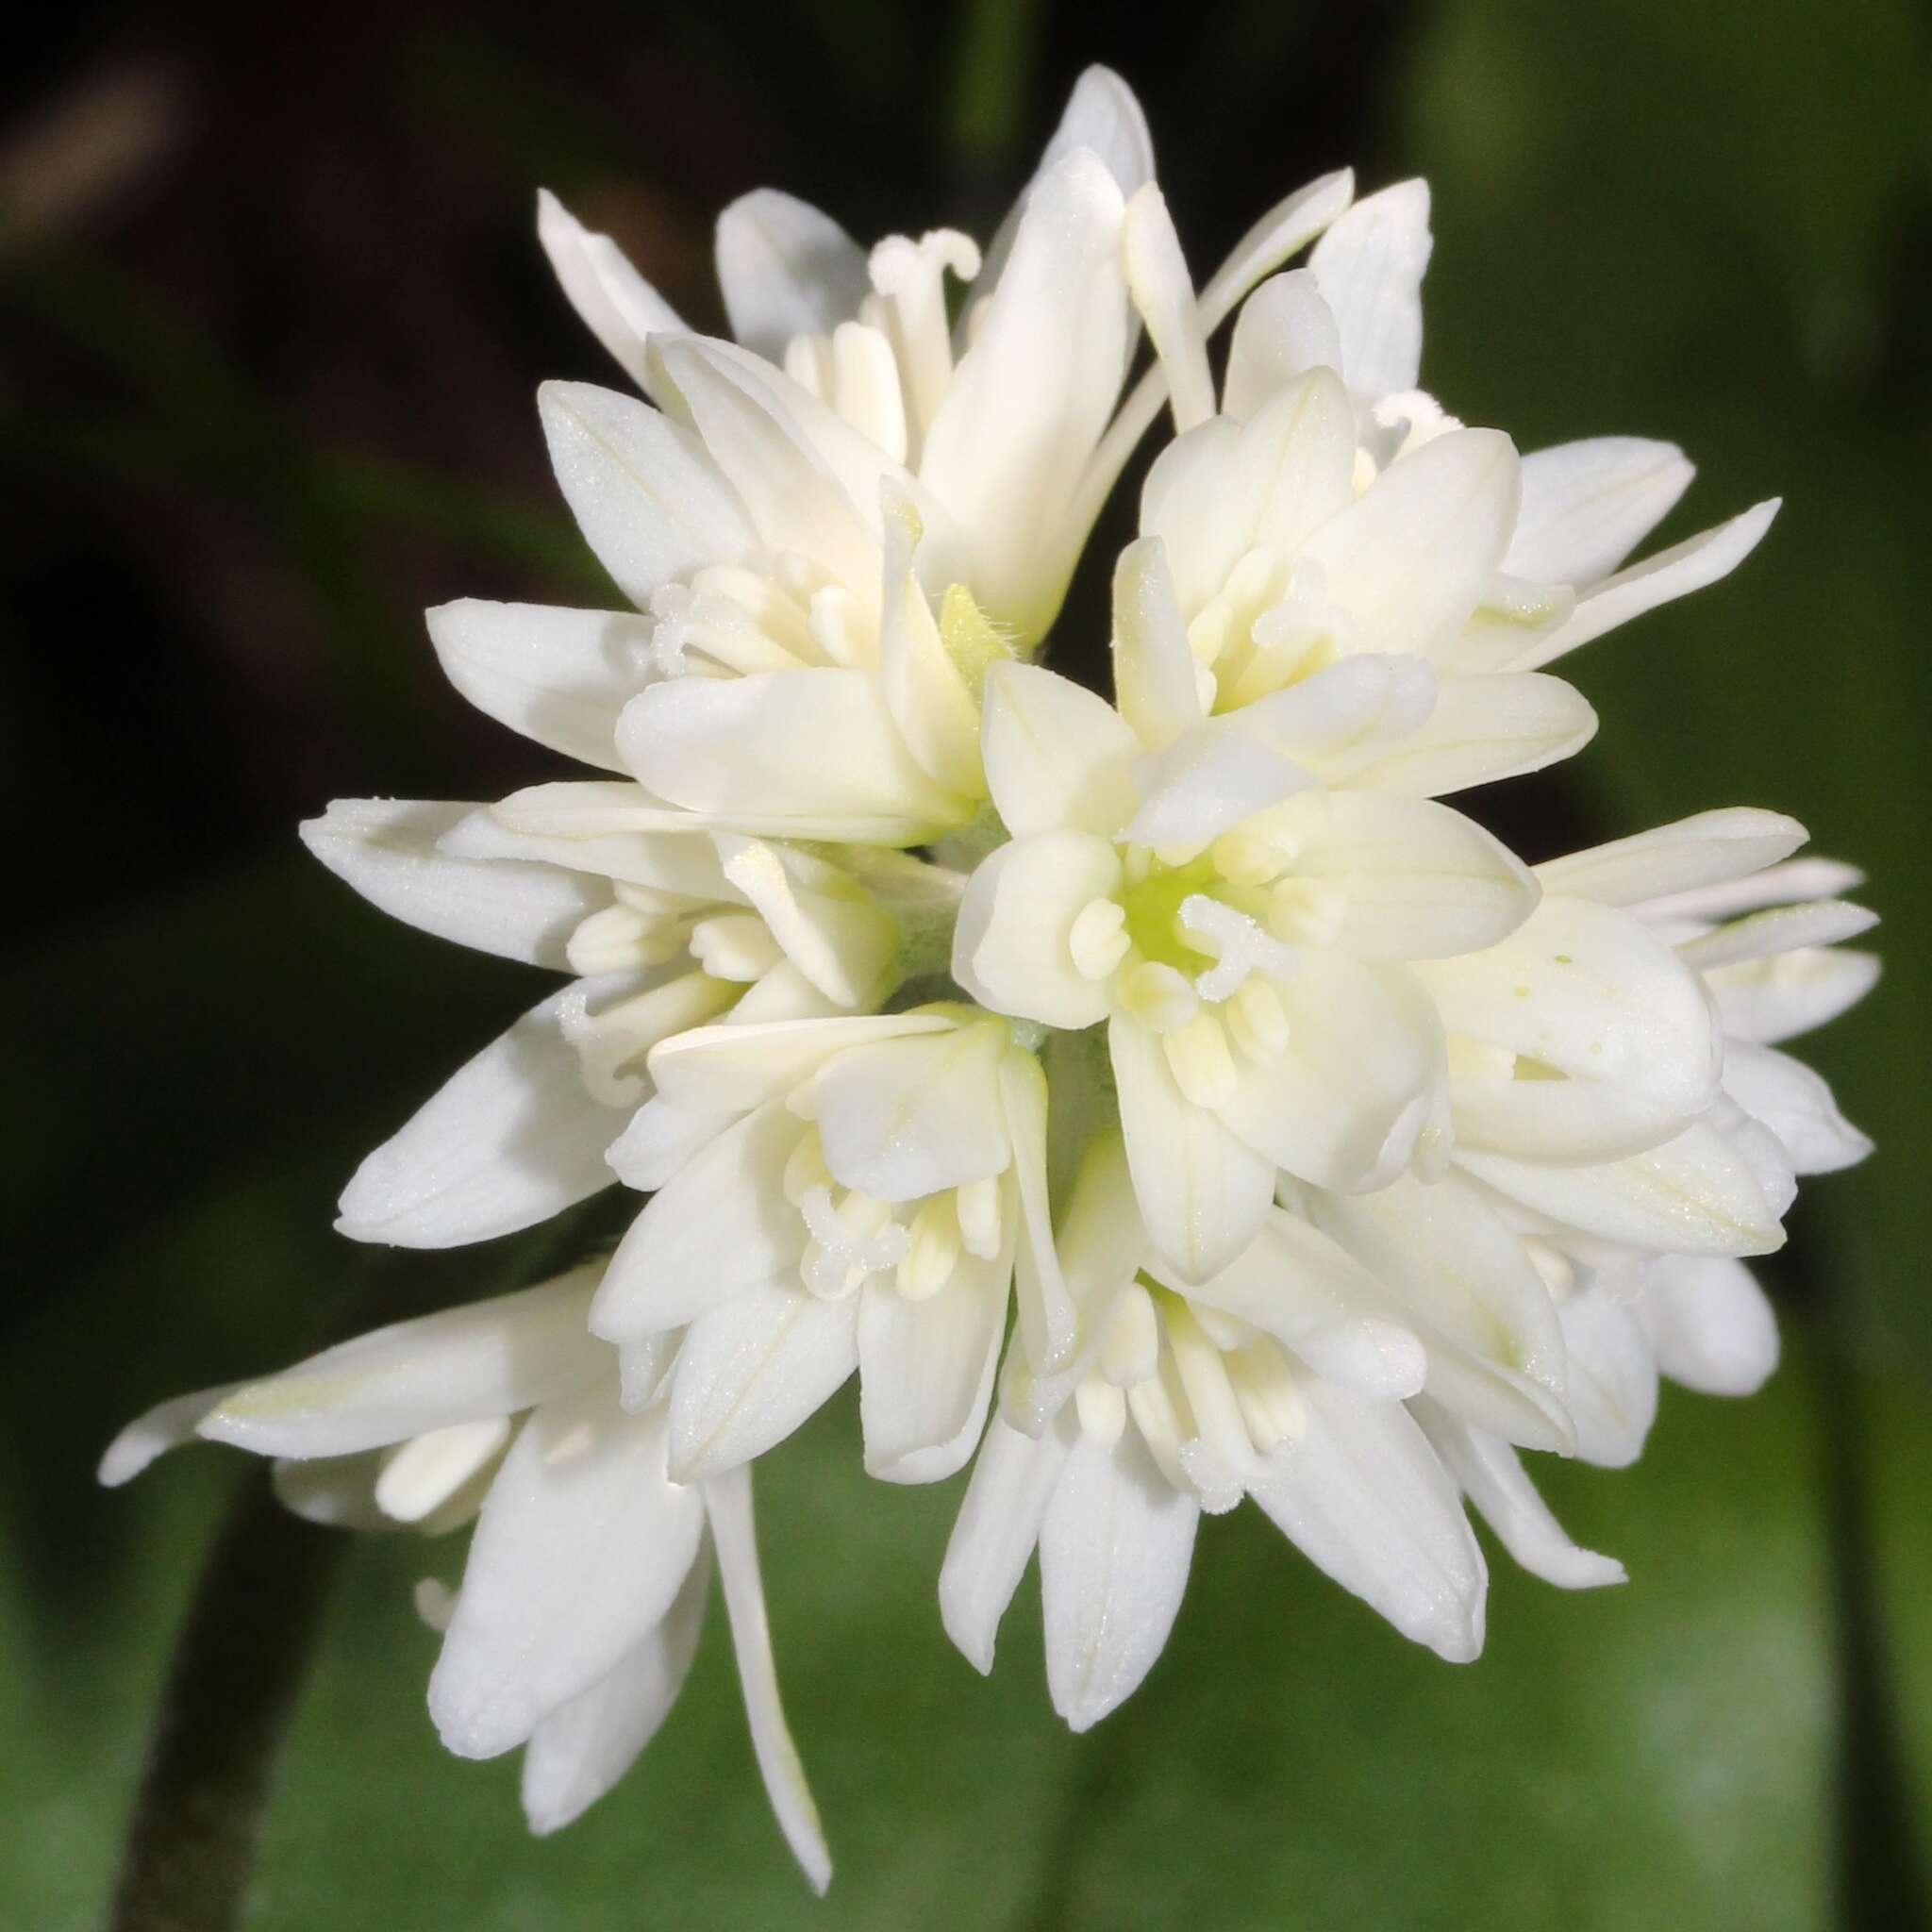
{"points": [[865, 387], [1256, 1021], [1098, 939], [1198, 1057], [1307, 912], [1558, 1272], [977, 1205], [1244, 859], [1159, 996], [1103, 1411], [1131, 1350], [805, 1169], [933, 1250], [1271, 1404], [735, 945], [842, 628]]}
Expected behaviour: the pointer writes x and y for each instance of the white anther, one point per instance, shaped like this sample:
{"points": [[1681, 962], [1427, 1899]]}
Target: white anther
{"points": [[1256, 1021], [977, 1205], [1244, 859], [735, 945], [933, 1250], [808, 363], [1305, 911], [1098, 939], [1272, 1407], [1159, 996], [1558, 1272], [805, 1169], [842, 628], [427, 1472], [1130, 1349], [1198, 1059], [1102, 1410], [865, 387]]}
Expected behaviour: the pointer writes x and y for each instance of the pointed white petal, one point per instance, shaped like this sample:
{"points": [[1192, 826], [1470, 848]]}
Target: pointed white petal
{"points": [[1210, 779], [581, 1749], [913, 1116], [1421, 881], [1781, 929], [751, 1371], [1710, 1324], [1369, 267], [339, 1493], [1362, 1495], [1696, 1194], [727, 1501], [1057, 755], [1030, 399], [1796, 1104], [1012, 947], [1708, 848], [1297, 1284], [1484, 729], [510, 1138], [614, 302], [1591, 993], [1612, 1387], [1494, 1347], [165, 1426], [737, 1066], [648, 498], [931, 703], [1345, 718], [998, 1524], [1774, 999], [925, 1371], [616, 831], [471, 1364], [1163, 292], [718, 1228], [1586, 505], [1153, 671], [1115, 1547], [1409, 558], [1288, 228], [827, 926], [1789, 884], [1356, 1082], [1203, 1190], [786, 270], [1285, 328], [387, 849], [1671, 574], [1492, 1476], [740, 748], [581, 1548], [1043, 1299], [558, 677]]}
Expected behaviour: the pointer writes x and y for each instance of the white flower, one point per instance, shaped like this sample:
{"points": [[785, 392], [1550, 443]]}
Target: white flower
{"points": [[582, 1596], [1372, 1359]]}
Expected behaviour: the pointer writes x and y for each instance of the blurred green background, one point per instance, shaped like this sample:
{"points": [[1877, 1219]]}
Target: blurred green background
{"points": [[271, 315]]}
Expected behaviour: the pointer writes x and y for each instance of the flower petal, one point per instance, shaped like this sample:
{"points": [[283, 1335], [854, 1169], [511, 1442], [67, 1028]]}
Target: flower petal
{"points": [[929, 700], [1012, 947], [719, 1229], [558, 677], [998, 1524], [1695, 1194], [746, 748], [1710, 1324], [388, 850], [1591, 993], [1779, 929], [1494, 1347], [1420, 881], [1708, 848], [1115, 1547], [645, 492], [1057, 755], [1774, 999], [751, 1371], [913, 1116], [1362, 1495], [1163, 292], [581, 1549], [578, 1752], [165, 1426], [925, 1371], [735, 1066], [1030, 397], [827, 923], [1356, 1082], [1203, 1190], [727, 1503], [615, 303], [1369, 267], [470, 1364], [1409, 557], [1612, 1385], [1796, 1104], [1660, 579], [1491, 1476], [1586, 505], [510, 1138], [1483, 729], [1153, 672], [786, 270], [1285, 329]]}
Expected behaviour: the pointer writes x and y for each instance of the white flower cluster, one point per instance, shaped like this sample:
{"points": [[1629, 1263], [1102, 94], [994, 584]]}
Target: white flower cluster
{"points": [[1319, 1149]]}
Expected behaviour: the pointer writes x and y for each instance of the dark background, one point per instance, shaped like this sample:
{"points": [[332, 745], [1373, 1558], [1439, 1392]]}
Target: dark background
{"points": [[272, 314]]}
